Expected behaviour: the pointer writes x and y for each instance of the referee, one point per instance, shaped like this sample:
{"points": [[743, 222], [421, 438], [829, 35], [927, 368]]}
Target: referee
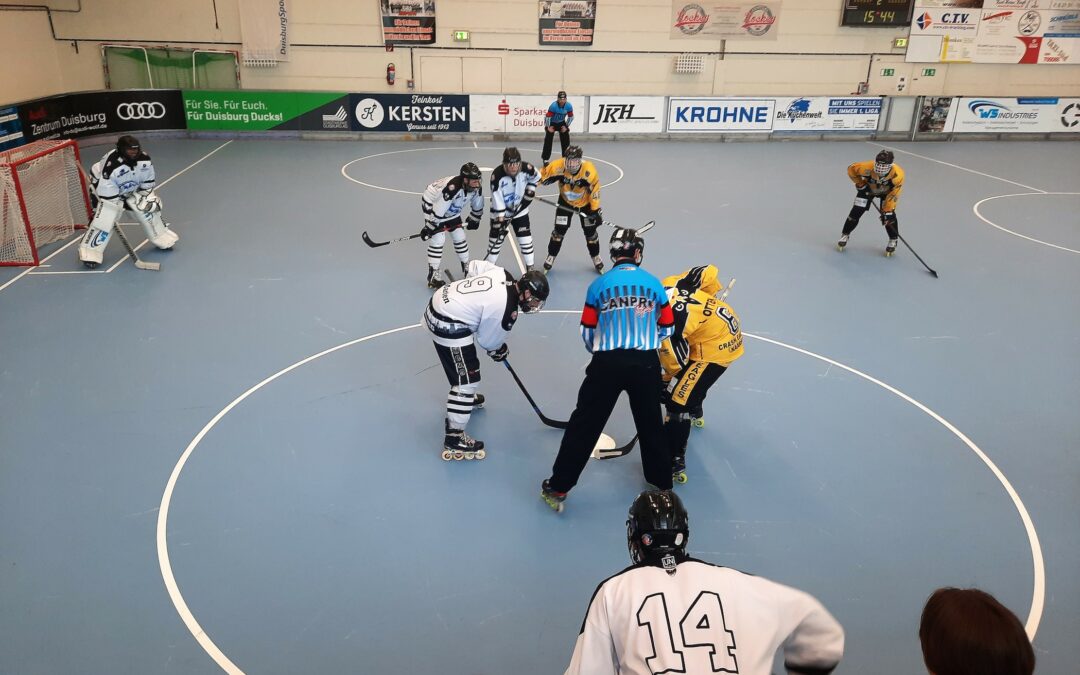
{"points": [[626, 317]]}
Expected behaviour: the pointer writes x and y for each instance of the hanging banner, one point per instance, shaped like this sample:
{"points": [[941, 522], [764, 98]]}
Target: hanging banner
{"points": [[725, 21], [1045, 32], [825, 113], [408, 22], [264, 29], [567, 22]]}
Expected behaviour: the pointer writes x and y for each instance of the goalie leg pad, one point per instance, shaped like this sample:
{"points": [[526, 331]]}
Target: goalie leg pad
{"points": [[155, 228], [92, 246]]}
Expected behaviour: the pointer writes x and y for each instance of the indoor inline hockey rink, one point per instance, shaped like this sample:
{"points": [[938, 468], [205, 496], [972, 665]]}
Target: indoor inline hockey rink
{"points": [[233, 464]]}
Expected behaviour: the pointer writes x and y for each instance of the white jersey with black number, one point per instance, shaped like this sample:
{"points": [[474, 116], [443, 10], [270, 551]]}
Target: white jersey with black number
{"points": [[112, 177], [508, 193], [446, 199], [702, 619], [483, 305]]}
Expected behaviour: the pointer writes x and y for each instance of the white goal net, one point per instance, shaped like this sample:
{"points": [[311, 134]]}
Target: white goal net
{"points": [[43, 198]]}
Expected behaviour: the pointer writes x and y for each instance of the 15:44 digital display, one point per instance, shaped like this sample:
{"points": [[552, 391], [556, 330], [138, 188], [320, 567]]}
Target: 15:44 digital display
{"points": [[883, 13]]}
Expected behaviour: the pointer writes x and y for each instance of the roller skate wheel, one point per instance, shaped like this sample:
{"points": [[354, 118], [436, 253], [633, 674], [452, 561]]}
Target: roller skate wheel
{"points": [[459, 455], [680, 478], [699, 422], [480, 454], [470, 455], [447, 455], [888, 254]]}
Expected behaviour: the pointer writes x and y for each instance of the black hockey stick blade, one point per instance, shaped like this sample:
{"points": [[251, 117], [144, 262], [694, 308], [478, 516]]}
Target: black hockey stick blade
{"points": [[543, 418], [617, 452], [375, 244]]}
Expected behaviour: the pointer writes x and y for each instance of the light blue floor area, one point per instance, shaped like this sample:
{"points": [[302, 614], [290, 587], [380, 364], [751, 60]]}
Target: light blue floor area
{"points": [[314, 528]]}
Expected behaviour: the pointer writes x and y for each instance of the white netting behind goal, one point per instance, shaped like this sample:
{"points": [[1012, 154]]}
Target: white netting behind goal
{"points": [[42, 198]]}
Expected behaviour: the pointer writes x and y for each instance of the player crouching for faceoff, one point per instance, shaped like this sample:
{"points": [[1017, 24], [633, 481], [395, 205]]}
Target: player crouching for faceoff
{"points": [[443, 203], [880, 179], [477, 310], [579, 191], [513, 187], [670, 613], [706, 341], [123, 179]]}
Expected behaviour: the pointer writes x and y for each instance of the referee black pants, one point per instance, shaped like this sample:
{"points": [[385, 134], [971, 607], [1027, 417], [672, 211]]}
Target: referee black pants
{"points": [[610, 373]]}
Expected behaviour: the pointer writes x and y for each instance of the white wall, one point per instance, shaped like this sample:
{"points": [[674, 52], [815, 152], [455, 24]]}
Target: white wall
{"points": [[813, 54]]}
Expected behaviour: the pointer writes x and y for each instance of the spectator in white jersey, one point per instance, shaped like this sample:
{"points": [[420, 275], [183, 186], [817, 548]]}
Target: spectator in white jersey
{"points": [[670, 613]]}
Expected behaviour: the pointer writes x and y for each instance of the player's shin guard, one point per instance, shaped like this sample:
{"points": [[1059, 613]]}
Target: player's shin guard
{"points": [[495, 238], [461, 246], [459, 405], [851, 222], [434, 249], [92, 246], [677, 431], [156, 230], [526, 244]]}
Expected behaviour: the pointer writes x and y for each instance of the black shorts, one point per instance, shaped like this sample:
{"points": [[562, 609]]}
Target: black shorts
{"points": [[460, 364], [689, 387]]}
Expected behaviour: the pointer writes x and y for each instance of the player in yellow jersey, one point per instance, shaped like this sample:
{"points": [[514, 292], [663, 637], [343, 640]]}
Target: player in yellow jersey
{"points": [[579, 190], [880, 179], [707, 340]]}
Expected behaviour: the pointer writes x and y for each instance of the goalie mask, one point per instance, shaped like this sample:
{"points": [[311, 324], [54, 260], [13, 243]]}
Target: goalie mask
{"points": [[657, 528], [129, 149], [537, 285], [883, 163], [625, 244], [572, 159]]}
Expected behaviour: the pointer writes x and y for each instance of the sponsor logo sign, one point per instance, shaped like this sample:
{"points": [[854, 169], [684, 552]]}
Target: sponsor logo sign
{"points": [[731, 20], [246, 110], [515, 114], [409, 112], [11, 134], [720, 114], [567, 22], [626, 114], [1017, 115], [408, 22], [823, 113], [945, 21], [79, 115], [333, 115]]}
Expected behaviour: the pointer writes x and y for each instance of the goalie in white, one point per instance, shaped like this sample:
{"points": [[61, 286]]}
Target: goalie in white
{"points": [[123, 179]]}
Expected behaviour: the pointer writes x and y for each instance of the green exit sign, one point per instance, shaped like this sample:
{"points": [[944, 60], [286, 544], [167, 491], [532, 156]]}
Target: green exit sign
{"points": [[929, 72], [899, 43], [461, 36], [888, 72]]}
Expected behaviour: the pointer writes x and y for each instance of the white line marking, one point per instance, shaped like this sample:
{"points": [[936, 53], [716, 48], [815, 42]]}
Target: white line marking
{"points": [[344, 169], [955, 166], [41, 274], [80, 236], [1017, 234], [219, 657], [475, 145]]}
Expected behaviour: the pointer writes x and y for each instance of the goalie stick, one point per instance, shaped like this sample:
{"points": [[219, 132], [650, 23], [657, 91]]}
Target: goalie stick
{"points": [[928, 268]]}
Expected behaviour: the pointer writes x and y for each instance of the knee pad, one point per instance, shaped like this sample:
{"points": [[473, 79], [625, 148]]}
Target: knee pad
{"points": [[465, 389], [556, 237]]}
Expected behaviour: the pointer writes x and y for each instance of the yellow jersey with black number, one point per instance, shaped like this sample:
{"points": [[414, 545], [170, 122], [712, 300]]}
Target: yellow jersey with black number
{"points": [[581, 189], [706, 330], [887, 187]]}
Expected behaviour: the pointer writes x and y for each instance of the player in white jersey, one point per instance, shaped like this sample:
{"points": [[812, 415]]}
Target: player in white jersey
{"points": [[443, 203], [670, 613], [477, 310], [123, 179], [513, 186]]}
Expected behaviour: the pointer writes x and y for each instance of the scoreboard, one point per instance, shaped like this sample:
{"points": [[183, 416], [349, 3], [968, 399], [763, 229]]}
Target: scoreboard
{"points": [[877, 13]]}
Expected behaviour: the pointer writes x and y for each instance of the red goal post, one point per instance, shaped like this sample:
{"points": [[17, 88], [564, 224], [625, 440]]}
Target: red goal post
{"points": [[43, 198]]}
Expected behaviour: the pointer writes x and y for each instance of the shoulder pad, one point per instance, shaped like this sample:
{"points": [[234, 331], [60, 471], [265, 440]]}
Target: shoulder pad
{"points": [[497, 174], [451, 188]]}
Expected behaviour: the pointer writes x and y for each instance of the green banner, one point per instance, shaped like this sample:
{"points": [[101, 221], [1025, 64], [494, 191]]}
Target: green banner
{"points": [[250, 110]]}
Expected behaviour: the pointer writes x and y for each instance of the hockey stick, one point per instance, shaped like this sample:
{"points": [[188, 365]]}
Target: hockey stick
{"points": [[727, 290], [640, 230], [131, 252], [375, 244], [543, 418], [928, 268]]}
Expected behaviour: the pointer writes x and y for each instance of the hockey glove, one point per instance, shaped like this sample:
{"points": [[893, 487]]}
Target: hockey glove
{"points": [[427, 231], [499, 355], [472, 223], [596, 219]]}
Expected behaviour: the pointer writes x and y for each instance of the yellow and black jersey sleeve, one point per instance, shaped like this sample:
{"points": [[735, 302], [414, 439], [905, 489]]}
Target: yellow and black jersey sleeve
{"points": [[700, 278], [706, 329], [889, 187], [579, 190]]}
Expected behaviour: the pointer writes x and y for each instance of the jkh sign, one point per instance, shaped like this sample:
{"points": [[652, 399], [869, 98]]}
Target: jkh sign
{"points": [[79, 115], [409, 112], [720, 114], [626, 114]]}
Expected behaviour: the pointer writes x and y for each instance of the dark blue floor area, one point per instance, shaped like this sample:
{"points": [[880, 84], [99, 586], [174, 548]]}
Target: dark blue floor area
{"points": [[314, 528]]}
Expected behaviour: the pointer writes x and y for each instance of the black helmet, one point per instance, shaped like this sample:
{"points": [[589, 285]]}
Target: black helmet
{"points": [[125, 143], [561, 94], [511, 155], [625, 243], [657, 527], [537, 285], [470, 171], [573, 152], [883, 163]]}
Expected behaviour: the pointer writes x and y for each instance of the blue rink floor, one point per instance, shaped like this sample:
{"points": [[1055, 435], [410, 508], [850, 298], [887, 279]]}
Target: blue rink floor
{"points": [[172, 501]]}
